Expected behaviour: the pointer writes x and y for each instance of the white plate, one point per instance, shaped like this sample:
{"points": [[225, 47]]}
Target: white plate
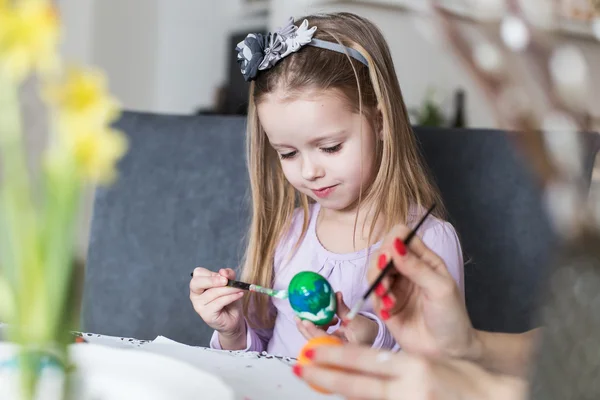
{"points": [[114, 374]]}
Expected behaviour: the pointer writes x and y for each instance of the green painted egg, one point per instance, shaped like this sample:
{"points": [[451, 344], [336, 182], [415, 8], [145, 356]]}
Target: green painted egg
{"points": [[312, 297]]}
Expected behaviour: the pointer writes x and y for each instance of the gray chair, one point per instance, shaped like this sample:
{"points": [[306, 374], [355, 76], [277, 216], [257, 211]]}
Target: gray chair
{"points": [[181, 201]]}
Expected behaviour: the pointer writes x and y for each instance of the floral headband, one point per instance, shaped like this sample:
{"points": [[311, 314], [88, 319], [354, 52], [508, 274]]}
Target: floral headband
{"points": [[259, 52]]}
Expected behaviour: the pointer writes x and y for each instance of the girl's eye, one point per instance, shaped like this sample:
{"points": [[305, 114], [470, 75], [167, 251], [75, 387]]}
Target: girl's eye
{"points": [[287, 155], [333, 149]]}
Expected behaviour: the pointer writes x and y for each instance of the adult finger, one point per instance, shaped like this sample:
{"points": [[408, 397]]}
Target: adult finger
{"points": [[348, 383], [420, 273], [420, 249], [360, 359]]}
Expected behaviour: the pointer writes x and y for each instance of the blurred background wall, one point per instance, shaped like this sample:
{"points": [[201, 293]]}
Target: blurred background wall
{"points": [[177, 56]]}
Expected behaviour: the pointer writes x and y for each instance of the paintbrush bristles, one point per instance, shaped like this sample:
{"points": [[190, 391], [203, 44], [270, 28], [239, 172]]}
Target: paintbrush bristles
{"points": [[354, 311], [279, 294]]}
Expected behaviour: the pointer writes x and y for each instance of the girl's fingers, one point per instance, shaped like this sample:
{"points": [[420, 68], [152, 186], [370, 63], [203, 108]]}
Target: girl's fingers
{"points": [[223, 301], [199, 271], [227, 273], [199, 284], [333, 322], [302, 329], [210, 296], [308, 329]]}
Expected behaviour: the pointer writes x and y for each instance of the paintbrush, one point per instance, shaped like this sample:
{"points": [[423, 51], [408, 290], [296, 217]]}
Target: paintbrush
{"points": [[278, 294], [354, 311]]}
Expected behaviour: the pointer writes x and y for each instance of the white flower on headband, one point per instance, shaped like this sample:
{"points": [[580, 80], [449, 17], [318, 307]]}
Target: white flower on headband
{"points": [[300, 36], [258, 52]]}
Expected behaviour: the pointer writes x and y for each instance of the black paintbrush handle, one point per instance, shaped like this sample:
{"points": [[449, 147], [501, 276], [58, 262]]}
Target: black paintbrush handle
{"points": [[387, 269], [235, 284], [238, 284]]}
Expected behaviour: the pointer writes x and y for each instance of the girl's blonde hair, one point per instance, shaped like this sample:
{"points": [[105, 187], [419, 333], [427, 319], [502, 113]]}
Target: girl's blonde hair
{"points": [[401, 180]]}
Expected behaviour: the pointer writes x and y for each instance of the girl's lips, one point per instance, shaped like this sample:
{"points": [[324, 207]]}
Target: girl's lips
{"points": [[324, 192]]}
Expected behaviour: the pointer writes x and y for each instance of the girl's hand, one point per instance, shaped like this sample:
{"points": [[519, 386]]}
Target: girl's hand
{"points": [[218, 305], [366, 373], [361, 330], [420, 302]]}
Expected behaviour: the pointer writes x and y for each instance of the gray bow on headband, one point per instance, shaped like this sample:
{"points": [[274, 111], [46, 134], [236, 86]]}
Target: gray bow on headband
{"points": [[258, 52]]}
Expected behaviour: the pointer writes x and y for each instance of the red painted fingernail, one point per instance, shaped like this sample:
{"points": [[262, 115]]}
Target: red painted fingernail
{"points": [[379, 290], [387, 301], [297, 369], [385, 314], [345, 322], [399, 246], [382, 261], [310, 354]]}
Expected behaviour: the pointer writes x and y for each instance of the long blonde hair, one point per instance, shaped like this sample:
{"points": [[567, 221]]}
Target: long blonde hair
{"points": [[401, 180]]}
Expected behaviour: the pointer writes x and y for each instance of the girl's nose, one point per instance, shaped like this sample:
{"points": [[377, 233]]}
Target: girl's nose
{"points": [[311, 170]]}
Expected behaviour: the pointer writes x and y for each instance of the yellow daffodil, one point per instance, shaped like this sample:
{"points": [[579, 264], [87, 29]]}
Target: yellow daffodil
{"points": [[96, 153], [82, 101], [29, 35]]}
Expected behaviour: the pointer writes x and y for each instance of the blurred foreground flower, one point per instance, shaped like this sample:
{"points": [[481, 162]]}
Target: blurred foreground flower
{"points": [[83, 111], [38, 282], [29, 34]]}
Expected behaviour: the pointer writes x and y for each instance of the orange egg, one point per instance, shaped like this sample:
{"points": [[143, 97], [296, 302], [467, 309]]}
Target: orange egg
{"points": [[316, 342]]}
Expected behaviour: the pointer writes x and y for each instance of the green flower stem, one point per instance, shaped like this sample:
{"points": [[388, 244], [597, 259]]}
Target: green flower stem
{"points": [[36, 246], [62, 197], [22, 263], [20, 258]]}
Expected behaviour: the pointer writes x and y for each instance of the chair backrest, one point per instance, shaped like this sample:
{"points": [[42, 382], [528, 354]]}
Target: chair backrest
{"points": [[181, 201]]}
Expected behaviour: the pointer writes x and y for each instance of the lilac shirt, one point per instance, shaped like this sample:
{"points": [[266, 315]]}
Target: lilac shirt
{"points": [[345, 272]]}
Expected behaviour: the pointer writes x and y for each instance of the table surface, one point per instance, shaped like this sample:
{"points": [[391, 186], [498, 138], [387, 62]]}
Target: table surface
{"points": [[251, 375]]}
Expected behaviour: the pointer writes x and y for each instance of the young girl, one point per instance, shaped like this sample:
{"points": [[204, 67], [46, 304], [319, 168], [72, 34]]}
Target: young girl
{"points": [[328, 131]]}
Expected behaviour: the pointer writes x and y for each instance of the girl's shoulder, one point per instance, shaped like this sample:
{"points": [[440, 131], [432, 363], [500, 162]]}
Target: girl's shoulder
{"points": [[434, 229], [441, 238]]}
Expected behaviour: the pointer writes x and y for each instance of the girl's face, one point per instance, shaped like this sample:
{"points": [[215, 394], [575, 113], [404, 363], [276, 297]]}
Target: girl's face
{"points": [[322, 150]]}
